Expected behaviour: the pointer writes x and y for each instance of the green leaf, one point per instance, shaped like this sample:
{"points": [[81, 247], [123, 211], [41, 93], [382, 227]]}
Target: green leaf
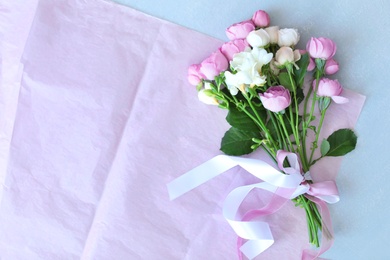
{"points": [[286, 120], [284, 80], [240, 120], [341, 142], [238, 142], [325, 147], [301, 72]]}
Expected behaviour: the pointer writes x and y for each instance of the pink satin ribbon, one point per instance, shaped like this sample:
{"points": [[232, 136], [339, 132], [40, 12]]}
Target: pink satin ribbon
{"points": [[319, 193], [278, 200]]}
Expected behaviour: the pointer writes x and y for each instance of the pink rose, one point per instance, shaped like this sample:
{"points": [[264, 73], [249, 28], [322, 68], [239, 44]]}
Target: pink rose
{"points": [[331, 67], [240, 30], [194, 75], [322, 48], [233, 47], [311, 65], [261, 19], [330, 88], [276, 98], [214, 65]]}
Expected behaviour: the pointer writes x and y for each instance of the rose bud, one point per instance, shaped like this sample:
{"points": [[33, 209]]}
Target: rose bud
{"points": [[288, 37], [214, 65], [261, 19], [206, 96], [330, 88], [311, 65], [273, 33], [233, 47], [331, 67], [284, 56], [258, 38], [194, 75]]}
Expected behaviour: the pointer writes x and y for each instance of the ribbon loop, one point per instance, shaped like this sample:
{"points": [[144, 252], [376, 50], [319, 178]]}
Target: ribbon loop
{"points": [[326, 191], [293, 160]]}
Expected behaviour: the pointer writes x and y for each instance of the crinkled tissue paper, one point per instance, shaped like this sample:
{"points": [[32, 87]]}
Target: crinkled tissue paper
{"points": [[96, 117]]}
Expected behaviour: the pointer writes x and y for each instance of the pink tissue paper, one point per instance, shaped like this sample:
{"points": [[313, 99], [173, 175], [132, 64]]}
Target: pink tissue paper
{"points": [[96, 117]]}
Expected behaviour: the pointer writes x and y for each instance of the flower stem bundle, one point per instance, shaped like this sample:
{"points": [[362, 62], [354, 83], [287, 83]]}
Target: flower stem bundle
{"points": [[260, 77]]}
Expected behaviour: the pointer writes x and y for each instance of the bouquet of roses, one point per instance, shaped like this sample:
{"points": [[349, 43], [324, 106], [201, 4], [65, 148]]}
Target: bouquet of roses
{"points": [[259, 77]]}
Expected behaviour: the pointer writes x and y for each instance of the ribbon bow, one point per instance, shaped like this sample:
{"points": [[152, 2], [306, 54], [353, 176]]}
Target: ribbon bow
{"points": [[284, 187]]}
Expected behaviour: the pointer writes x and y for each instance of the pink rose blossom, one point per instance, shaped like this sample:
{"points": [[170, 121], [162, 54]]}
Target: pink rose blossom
{"points": [[322, 48], [330, 88], [261, 19], [276, 98], [214, 65], [331, 67], [240, 30], [233, 47], [302, 52], [194, 75], [311, 65]]}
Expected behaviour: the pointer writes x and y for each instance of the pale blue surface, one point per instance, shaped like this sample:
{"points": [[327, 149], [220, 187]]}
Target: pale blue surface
{"points": [[361, 30]]}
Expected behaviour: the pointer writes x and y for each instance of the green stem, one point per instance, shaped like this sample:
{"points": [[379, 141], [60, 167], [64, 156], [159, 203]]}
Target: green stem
{"points": [[239, 105], [307, 121], [257, 120], [304, 130], [306, 102], [280, 117], [295, 122], [315, 143], [277, 130], [269, 152], [317, 214], [313, 231], [260, 121]]}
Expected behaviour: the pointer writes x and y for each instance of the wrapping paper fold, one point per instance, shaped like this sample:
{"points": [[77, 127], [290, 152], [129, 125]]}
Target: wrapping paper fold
{"points": [[96, 117]]}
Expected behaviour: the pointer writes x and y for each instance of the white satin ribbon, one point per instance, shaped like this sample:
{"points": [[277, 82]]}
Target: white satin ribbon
{"points": [[221, 163]]}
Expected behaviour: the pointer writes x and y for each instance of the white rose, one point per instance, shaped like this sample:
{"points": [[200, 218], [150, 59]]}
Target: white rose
{"points": [[248, 65], [258, 38], [297, 55], [243, 79], [232, 82], [255, 79], [206, 97], [288, 37], [260, 57], [273, 32], [284, 55], [242, 61]]}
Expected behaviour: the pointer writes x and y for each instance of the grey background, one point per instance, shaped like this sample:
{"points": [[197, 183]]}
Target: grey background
{"points": [[361, 30]]}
